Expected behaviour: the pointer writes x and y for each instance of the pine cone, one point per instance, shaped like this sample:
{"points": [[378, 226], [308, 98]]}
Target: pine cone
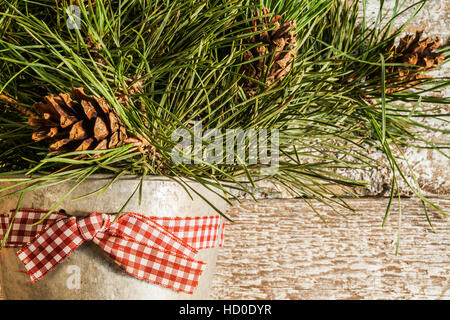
{"points": [[413, 51], [78, 122], [277, 49]]}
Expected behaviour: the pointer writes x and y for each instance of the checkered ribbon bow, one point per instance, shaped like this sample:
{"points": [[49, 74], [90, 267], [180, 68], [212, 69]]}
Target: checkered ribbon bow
{"points": [[154, 249]]}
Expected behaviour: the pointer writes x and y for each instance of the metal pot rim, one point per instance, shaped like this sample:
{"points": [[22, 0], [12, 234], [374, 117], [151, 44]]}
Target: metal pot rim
{"points": [[102, 176]]}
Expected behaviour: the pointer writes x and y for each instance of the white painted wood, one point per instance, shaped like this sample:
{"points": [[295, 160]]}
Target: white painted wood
{"points": [[280, 249]]}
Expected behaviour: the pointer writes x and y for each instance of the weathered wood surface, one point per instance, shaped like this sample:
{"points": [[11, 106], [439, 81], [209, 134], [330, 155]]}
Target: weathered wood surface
{"points": [[280, 249]]}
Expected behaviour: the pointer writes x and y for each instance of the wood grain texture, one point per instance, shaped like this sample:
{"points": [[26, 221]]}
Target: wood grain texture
{"points": [[280, 249]]}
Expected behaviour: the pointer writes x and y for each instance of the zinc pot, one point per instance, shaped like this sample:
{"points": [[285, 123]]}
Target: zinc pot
{"points": [[99, 277]]}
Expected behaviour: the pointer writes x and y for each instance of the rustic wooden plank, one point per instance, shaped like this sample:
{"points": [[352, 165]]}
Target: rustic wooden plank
{"points": [[280, 249]]}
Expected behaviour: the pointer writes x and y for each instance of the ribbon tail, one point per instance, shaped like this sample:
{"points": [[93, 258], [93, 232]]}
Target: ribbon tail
{"points": [[50, 247], [202, 232], [168, 269], [23, 230]]}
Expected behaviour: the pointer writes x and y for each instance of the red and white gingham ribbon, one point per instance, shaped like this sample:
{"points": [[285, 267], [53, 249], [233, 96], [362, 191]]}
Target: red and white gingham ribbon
{"points": [[154, 249]]}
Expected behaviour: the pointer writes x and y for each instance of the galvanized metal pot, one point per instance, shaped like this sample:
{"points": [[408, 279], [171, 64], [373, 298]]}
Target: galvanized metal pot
{"points": [[88, 273]]}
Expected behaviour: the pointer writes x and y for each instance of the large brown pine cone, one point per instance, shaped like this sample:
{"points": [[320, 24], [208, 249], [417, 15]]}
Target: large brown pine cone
{"points": [[418, 53], [78, 122], [277, 49]]}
